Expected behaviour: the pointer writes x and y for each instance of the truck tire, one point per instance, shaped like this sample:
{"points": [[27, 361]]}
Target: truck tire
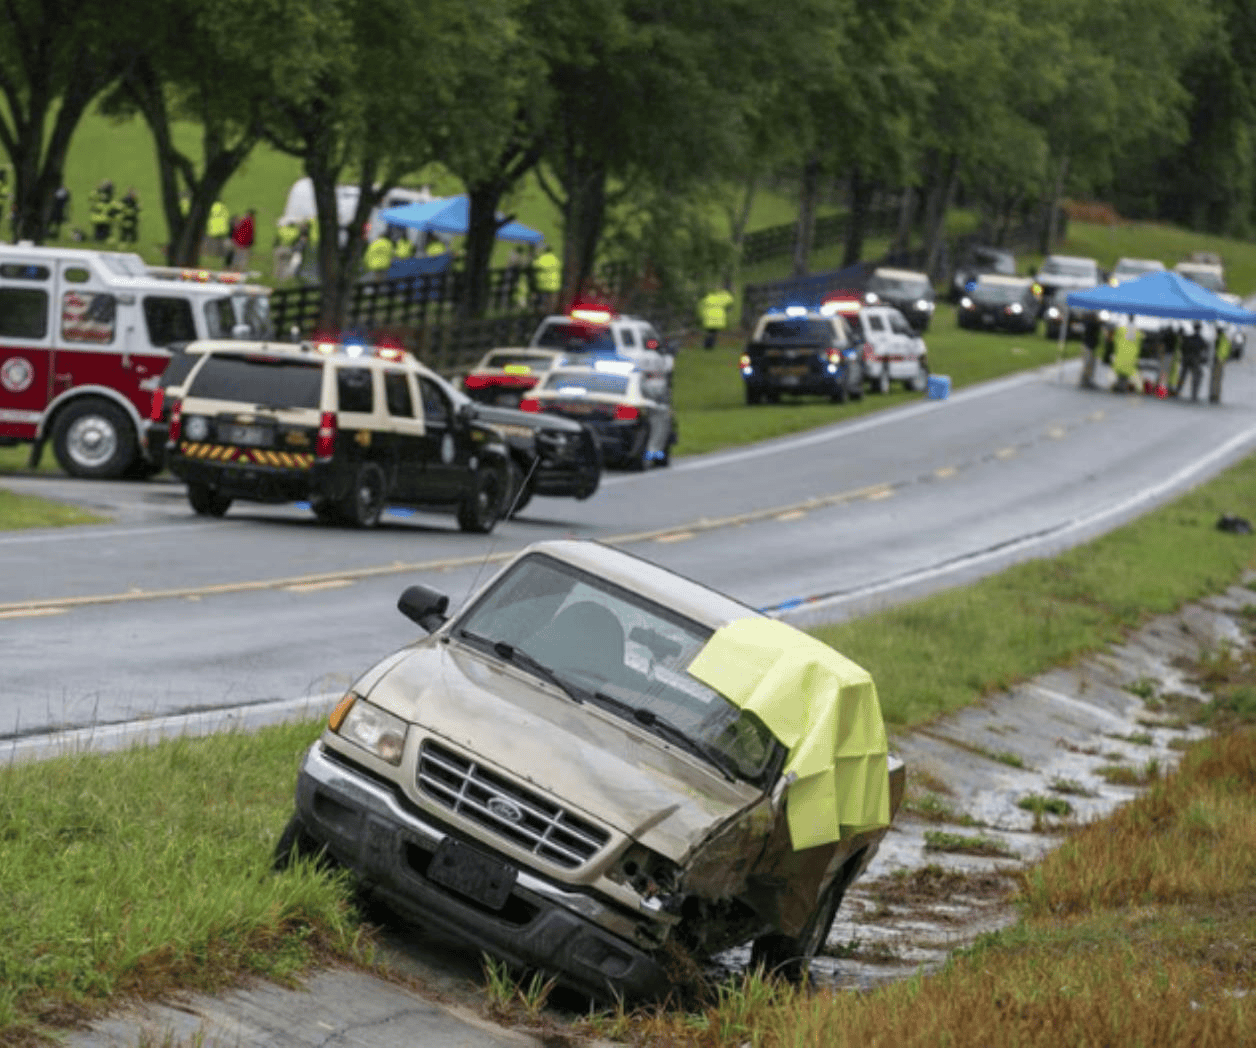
{"points": [[207, 502], [483, 506], [788, 957], [93, 438], [365, 502], [295, 844]]}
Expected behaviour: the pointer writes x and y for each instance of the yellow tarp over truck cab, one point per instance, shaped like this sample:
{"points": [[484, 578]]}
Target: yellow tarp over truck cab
{"points": [[823, 708]]}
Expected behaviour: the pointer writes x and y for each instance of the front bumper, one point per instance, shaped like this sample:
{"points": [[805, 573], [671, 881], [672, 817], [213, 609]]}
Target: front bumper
{"points": [[388, 846], [818, 382], [996, 320]]}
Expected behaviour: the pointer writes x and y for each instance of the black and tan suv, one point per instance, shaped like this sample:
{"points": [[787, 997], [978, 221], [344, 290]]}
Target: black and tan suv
{"points": [[349, 429]]}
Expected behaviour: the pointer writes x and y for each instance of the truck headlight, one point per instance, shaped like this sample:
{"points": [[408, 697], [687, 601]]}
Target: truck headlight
{"points": [[375, 730], [647, 873]]}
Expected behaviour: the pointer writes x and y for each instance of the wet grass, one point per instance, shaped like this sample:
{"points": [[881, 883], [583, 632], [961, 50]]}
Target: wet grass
{"points": [[28, 511], [1141, 929], [966, 844], [142, 872], [947, 651]]}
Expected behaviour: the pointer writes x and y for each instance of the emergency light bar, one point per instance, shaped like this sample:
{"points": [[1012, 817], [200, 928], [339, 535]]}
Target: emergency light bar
{"points": [[592, 316]]}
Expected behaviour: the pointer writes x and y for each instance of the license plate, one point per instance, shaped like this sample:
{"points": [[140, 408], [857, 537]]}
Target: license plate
{"points": [[469, 872], [789, 380], [248, 436], [794, 370]]}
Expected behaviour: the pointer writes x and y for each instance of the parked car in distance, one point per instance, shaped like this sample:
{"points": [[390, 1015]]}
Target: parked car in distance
{"points": [[1069, 272], [892, 351], [909, 292], [1210, 275], [503, 376], [588, 332], [597, 767], [977, 261], [630, 415], [1127, 269], [802, 351], [1000, 304], [1058, 308]]}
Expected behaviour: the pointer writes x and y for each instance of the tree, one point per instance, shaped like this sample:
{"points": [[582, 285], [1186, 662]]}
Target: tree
{"points": [[56, 57], [213, 63], [380, 85]]}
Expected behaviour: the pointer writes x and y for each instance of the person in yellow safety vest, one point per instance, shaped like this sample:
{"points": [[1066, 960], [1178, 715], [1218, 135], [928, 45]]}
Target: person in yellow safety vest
{"points": [[1220, 354], [217, 229], [379, 256], [547, 277], [101, 213], [403, 247], [435, 247], [286, 234], [713, 312], [1125, 357]]}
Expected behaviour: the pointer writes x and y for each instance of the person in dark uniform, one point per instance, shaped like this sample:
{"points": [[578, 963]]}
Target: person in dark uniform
{"points": [[1194, 353], [1091, 335], [129, 218], [60, 212]]}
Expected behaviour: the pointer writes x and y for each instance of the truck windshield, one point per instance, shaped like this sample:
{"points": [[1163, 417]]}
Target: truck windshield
{"points": [[267, 381], [608, 642], [577, 337], [799, 330]]}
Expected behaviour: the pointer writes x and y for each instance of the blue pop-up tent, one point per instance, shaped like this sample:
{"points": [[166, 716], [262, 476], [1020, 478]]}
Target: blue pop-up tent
{"points": [[451, 216], [1162, 294]]}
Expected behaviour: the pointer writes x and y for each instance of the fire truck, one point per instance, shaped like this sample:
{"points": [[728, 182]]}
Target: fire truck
{"points": [[84, 338]]}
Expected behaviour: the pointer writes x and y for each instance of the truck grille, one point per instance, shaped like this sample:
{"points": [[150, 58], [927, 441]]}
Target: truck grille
{"points": [[522, 817]]}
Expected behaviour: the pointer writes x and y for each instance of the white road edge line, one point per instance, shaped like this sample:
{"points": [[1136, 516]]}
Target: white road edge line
{"points": [[104, 738]]}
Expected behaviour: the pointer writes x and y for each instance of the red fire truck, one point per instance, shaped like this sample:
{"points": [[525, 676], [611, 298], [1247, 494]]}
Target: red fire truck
{"points": [[83, 341]]}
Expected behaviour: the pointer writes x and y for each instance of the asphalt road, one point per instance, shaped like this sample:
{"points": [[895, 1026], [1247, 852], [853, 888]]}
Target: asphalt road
{"points": [[161, 613]]}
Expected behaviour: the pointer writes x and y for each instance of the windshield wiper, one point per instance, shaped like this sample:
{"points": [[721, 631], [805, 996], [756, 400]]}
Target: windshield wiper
{"points": [[646, 717], [521, 658]]}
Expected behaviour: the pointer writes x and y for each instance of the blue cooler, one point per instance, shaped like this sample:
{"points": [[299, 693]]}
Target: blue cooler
{"points": [[939, 387]]}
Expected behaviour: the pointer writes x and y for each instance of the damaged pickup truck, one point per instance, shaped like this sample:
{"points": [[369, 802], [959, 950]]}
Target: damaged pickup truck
{"points": [[598, 762]]}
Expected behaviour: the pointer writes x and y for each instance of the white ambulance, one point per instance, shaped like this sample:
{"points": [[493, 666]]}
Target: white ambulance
{"points": [[84, 337]]}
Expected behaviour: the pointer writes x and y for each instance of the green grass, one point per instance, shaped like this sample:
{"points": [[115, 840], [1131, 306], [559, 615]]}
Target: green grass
{"points": [[27, 511], [142, 871], [944, 652]]}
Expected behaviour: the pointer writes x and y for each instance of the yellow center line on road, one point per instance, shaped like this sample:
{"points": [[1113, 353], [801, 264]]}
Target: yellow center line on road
{"points": [[793, 514], [1005, 453], [343, 576], [316, 587], [675, 536], [1057, 433], [945, 471], [877, 496], [30, 613]]}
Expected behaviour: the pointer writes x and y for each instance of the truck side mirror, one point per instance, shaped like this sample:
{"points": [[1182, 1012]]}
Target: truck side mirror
{"points": [[424, 606]]}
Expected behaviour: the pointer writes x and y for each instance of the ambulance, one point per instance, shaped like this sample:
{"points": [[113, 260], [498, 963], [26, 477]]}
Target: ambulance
{"points": [[84, 338]]}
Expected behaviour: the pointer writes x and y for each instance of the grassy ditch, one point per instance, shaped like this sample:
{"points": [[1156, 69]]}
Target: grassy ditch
{"points": [[149, 871], [1141, 929], [951, 649], [139, 873], [27, 511]]}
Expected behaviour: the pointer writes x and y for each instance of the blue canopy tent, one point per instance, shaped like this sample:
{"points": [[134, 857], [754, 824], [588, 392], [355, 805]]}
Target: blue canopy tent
{"points": [[451, 216], [1164, 294]]}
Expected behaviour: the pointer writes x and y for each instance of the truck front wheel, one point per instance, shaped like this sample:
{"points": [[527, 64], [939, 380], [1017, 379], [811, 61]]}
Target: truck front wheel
{"points": [[93, 438]]}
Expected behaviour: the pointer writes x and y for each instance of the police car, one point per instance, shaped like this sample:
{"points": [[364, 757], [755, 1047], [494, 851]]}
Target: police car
{"points": [[629, 411], [347, 428], [503, 376], [892, 351], [591, 332], [799, 350]]}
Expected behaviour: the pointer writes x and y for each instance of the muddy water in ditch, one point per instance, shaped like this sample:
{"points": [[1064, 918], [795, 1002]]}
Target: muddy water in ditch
{"points": [[977, 773]]}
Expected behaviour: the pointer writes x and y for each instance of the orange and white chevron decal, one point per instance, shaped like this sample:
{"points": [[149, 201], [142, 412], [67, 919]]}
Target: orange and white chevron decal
{"points": [[225, 453]]}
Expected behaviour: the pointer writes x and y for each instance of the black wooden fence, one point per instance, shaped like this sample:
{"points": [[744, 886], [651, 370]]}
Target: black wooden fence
{"points": [[778, 241]]}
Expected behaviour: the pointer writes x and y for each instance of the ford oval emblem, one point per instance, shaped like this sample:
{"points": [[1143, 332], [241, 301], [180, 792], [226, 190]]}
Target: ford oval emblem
{"points": [[505, 809]]}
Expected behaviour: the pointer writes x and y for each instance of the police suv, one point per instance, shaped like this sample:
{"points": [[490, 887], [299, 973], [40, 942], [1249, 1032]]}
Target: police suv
{"points": [[347, 428]]}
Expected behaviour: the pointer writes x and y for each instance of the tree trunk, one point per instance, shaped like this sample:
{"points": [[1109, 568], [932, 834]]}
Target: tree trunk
{"points": [[808, 193], [1049, 231], [936, 239], [482, 201], [584, 214], [738, 218], [333, 280], [906, 213], [861, 190]]}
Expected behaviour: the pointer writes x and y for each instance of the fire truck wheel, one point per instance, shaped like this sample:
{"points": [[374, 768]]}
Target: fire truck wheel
{"points": [[94, 438], [207, 502]]}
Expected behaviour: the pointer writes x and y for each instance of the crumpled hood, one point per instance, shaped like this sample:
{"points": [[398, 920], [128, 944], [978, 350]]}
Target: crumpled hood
{"points": [[584, 757]]}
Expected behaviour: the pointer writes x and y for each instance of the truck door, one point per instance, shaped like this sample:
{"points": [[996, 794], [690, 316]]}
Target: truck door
{"points": [[26, 297], [88, 349]]}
